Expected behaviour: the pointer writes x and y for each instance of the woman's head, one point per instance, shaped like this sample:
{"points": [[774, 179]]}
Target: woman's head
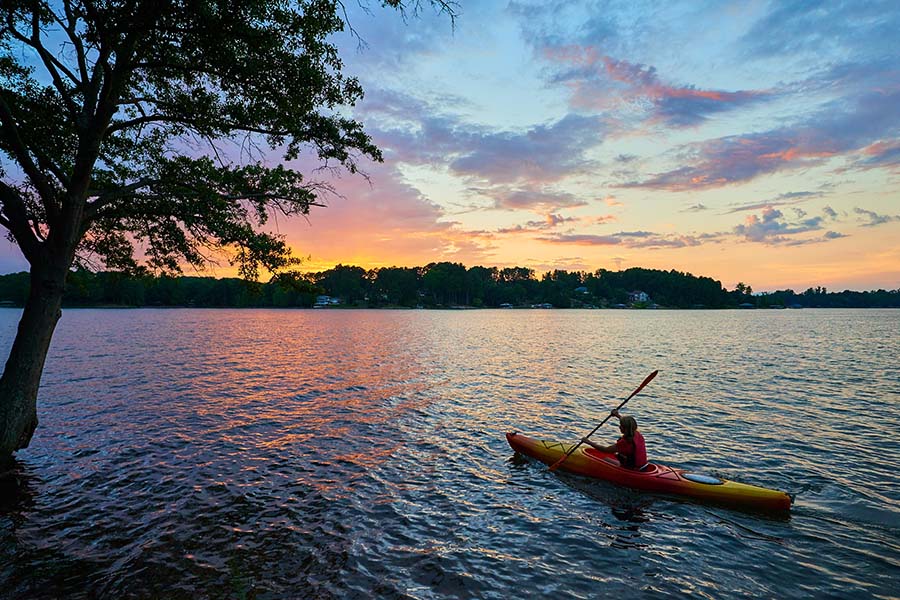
{"points": [[628, 425]]}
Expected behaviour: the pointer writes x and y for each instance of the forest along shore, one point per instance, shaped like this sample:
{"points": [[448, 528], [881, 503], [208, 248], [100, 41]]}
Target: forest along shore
{"points": [[437, 285]]}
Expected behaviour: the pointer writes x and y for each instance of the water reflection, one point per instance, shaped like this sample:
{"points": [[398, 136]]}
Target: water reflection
{"points": [[18, 486], [354, 454], [630, 514]]}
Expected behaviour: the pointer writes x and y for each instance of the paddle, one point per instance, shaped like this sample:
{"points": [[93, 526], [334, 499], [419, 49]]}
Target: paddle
{"points": [[650, 377]]}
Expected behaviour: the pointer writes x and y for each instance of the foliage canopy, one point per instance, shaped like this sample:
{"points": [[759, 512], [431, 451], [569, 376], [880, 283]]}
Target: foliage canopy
{"points": [[435, 285], [146, 121]]}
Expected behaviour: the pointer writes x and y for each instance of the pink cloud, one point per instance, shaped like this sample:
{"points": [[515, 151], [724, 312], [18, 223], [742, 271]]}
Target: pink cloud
{"points": [[724, 161], [883, 153], [612, 201], [598, 81]]}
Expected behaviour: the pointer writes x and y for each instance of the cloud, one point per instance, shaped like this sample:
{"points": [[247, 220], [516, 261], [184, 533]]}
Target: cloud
{"points": [[792, 27], [873, 219], [583, 239], [780, 200], [600, 82], [772, 228], [551, 221], [734, 159], [826, 237], [634, 234], [386, 222], [544, 153], [835, 130], [612, 201], [417, 132], [880, 154], [534, 198], [668, 241], [699, 207], [380, 102], [854, 115], [374, 35], [634, 239]]}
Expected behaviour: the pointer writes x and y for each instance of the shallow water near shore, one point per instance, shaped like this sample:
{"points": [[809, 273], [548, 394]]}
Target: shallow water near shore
{"points": [[356, 454]]}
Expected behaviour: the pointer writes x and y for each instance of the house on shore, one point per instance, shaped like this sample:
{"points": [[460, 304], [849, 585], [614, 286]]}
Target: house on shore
{"points": [[323, 301], [637, 296]]}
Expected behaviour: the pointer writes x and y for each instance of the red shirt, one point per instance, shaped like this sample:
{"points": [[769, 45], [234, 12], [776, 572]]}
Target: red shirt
{"points": [[632, 453]]}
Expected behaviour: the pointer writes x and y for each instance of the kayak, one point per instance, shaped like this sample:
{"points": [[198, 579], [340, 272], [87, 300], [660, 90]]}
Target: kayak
{"points": [[590, 462]]}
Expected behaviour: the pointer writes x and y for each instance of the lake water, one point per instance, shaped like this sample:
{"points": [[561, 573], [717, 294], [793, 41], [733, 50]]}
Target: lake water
{"points": [[358, 454]]}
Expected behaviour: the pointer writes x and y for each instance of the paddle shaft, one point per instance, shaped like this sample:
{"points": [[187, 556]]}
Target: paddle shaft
{"points": [[649, 378]]}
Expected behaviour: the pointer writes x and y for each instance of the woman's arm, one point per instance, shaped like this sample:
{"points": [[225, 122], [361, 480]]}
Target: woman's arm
{"points": [[608, 449]]}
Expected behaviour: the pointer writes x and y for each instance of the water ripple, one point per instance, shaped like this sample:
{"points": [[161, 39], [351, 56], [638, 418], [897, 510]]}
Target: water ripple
{"points": [[359, 454]]}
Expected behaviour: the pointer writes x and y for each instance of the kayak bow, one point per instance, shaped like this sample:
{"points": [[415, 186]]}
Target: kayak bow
{"points": [[658, 478]]}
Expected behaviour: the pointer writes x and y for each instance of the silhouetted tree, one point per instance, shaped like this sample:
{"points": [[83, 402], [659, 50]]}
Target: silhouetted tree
{"points": [[106, 140], [445, 282], [397, 286], [404, 287], [351, 284]]}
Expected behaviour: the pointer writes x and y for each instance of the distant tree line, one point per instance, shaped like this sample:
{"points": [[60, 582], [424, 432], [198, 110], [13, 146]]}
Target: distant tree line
{"points": [[437, 285], [819, 297]]}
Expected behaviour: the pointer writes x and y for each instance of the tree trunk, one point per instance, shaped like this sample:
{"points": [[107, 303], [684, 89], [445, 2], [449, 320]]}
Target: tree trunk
{"points": [[22, 375]]}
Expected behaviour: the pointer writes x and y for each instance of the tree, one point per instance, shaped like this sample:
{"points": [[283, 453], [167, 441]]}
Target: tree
{"points": [[445, 281], [742, 289], [118, 139], [397, 285], [558, 287], [346, 282], [481, 284]]}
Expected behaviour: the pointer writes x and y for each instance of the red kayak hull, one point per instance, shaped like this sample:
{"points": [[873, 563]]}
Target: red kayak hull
{"points": [[655, 477]]}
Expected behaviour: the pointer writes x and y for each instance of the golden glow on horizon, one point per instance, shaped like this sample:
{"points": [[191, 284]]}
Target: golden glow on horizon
{"points": [[837, 265]]}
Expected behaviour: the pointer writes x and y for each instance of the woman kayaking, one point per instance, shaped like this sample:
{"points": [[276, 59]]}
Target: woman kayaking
{"points": [[630, 448]]}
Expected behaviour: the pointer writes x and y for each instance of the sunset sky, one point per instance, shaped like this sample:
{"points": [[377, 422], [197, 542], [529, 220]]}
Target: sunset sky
{"points": [[747, 141]]}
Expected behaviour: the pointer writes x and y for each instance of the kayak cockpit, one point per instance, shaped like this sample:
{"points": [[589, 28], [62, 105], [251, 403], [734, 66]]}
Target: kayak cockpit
{"points": [[613, 461]]}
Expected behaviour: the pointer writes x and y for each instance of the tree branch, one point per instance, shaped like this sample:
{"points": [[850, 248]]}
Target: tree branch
{"points": [[53, 66], [21, 153], [50, 61], [163, 118], [44, 162], [71, 31], [15, 219], [142, 120], [104, 199]]}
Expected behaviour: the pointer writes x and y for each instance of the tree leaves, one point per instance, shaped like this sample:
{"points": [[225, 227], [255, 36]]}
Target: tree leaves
{"points": [[128, 134]]}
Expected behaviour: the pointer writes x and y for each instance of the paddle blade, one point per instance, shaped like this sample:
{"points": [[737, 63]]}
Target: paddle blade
{"points": [[643, 385], [555, 465]]}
